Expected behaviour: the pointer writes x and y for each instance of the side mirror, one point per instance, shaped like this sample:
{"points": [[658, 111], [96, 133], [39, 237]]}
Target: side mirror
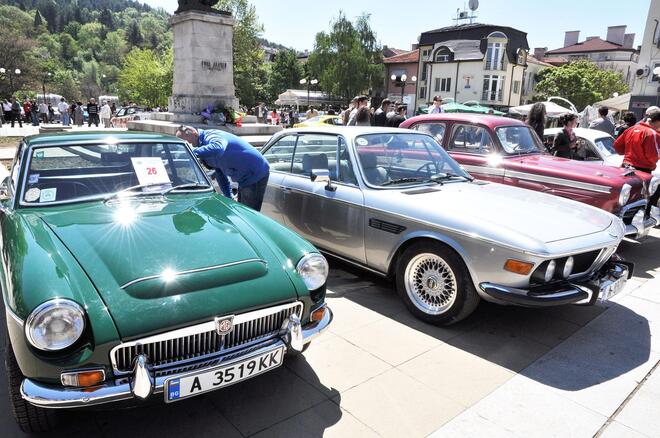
{"points": [[4, 189], [322, 176]]}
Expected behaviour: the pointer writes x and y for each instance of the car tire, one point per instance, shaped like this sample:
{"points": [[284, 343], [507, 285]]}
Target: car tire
{"points": [[29, 418], [434, 283]]}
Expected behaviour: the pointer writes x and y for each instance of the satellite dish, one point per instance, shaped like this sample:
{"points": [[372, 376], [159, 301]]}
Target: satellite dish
{"points": [[474, 4]]}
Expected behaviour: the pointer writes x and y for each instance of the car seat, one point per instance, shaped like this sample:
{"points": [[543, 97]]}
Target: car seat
{"points": [[315, 161], [374, 173]]}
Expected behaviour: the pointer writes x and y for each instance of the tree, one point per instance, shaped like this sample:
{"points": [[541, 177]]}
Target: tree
{"points": [[581, 82], [146, 77], [48, 9], [249, 71], [69, 47], [38, 20], [105, 18], [114, 48], [134, 34], [285, 73], [348, 60]]}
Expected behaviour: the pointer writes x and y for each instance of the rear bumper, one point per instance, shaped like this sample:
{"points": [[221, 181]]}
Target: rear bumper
{"points": [[121, 389], [604, 284]]}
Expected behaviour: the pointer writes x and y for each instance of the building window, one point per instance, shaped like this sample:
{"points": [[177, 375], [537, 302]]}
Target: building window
{"points": [[436, 88], [422, 92], [522, 57], [443, 55], [495, 51], [442, 84], [516, 87], [424, 68], [425, 54], [492, 90], [654, 77]]}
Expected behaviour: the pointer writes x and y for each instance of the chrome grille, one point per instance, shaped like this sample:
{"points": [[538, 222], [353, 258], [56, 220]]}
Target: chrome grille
{"points": [[192, 344]]}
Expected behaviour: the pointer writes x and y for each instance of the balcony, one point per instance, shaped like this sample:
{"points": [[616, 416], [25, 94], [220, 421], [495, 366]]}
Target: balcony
{"points": [[496, 65], [492, 96]]}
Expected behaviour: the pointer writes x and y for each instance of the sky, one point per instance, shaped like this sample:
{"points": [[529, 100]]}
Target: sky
{"points": [[399, 23]]}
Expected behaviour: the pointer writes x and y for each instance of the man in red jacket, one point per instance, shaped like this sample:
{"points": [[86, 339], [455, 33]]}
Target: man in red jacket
{"points": [[640, 147]]}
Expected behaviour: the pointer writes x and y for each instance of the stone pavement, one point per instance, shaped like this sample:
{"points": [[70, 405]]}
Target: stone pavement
{"points": [[505, 371]]}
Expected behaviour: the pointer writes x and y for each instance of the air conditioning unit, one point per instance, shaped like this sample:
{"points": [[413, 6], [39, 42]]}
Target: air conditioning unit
{"points": [[643, 72]]}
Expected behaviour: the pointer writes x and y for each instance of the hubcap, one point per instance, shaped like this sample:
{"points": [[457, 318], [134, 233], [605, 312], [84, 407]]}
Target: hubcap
{"points": [[430, 283]]}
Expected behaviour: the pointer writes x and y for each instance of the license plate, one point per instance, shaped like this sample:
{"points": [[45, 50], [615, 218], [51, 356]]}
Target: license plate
{"points": [[613, 288], [191, 385]]}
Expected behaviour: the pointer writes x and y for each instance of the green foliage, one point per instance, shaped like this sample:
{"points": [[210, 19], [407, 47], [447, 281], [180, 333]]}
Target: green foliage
{"points": [[38, 20], [348, 59], [15, 21], [581, 82], [134, 34], [69, 47], [250, 74], [147, 77], [285, 72]]}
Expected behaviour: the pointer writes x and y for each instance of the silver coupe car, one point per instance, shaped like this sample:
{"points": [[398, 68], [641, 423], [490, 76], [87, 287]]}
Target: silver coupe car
{"points": [[392, 201]]}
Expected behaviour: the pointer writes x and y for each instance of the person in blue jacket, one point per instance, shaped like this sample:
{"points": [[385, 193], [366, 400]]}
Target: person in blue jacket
{"points": [[231, 157]]}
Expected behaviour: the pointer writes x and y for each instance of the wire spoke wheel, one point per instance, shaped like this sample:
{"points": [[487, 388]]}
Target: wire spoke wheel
{"points": [[430, 283]]}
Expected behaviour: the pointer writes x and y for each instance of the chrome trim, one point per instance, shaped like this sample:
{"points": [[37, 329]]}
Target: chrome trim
{"points": [[192, 271], [484, 170], [558, 181], [52, 303], [200, 328], [57, 397], [68, 373], [14, 316], [637, 204], [97, 175], [353, 262]]}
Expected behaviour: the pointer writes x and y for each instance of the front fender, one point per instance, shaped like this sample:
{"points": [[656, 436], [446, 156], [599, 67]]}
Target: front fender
{"points": [[37, 267]]}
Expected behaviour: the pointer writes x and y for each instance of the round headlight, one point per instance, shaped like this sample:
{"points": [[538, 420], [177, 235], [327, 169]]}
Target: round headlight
{"points": [[313, 268], [567, 269], [550, 270], [654, 185], [625, 194], [55, 325]]}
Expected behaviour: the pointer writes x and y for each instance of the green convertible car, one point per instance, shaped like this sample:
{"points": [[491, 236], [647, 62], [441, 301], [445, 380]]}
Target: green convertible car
{"points": [[126, 277]]}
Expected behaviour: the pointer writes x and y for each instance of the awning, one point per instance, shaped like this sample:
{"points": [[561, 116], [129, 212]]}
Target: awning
{"points": [[619, 103], [299, 97], [551, 109]]}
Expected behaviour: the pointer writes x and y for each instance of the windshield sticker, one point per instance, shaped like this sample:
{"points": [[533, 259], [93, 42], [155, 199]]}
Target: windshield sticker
{"points": [[34, 178], [40, 154], [150, 170], [32, 195], [362, 142], [48, 195]]}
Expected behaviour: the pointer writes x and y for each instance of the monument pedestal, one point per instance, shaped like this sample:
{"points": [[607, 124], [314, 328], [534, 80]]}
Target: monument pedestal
{"points": [[203, 63]]}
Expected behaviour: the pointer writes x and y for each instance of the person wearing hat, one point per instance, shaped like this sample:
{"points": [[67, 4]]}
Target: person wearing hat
{"points": [[436, 108], [231, 157]]}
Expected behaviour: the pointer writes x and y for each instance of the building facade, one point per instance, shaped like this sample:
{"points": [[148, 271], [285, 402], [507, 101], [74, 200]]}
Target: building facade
{"points": [[645, 90], [472, 62], [534, 67], [398, 65], [615, 52]]}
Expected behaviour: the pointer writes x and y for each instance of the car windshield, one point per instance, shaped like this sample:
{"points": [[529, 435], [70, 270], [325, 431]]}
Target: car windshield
{"points": [[74, 173], [405, 159], [605, 146], [519, 140]]}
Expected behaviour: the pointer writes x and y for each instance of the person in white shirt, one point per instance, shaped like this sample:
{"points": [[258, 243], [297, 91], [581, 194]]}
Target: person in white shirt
{"points": [[436, 108], [361, 101], [106, 113], [63, 108], [43, 112]]}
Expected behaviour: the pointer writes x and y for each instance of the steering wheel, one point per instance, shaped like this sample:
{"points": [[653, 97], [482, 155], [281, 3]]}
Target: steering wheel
{"points": [[428, 166]]}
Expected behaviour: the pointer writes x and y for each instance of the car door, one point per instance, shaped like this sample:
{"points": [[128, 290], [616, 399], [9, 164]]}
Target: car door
{"points": [[279, 156], [331, 216], [473, 147]]}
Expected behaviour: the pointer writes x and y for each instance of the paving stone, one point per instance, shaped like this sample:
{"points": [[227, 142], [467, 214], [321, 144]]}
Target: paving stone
{"points": [[349, 316], [395, 405], [529, 409], [618, 430], [470, 424], [379, 299], [641, 413], [454, 373], [336, 365], [323, 420], [391, 341], [258, 403]]}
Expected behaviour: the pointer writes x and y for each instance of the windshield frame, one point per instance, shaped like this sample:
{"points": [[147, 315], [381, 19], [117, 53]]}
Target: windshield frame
{"points": [[603, 155], [358, 163], [19, 201], [517, 153]]}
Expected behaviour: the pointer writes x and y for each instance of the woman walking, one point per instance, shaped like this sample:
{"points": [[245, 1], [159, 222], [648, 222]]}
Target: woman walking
{"points": [[78, 114]]}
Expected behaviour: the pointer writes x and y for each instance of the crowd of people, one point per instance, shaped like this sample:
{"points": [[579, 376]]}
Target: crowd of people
{"points": [[36, 113]]}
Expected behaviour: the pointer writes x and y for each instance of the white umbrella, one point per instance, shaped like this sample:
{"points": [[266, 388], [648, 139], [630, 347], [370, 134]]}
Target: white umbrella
{"points": [[551, 109]]}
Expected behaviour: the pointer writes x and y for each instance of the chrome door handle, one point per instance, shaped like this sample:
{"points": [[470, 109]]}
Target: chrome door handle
{"points": [[285, 189]]}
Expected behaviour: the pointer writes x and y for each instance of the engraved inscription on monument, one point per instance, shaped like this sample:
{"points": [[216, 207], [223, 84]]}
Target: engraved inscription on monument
{"points": [[214, 65]]}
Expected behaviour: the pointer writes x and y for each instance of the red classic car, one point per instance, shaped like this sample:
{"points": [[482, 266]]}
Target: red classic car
{"points": [[507, 151]]}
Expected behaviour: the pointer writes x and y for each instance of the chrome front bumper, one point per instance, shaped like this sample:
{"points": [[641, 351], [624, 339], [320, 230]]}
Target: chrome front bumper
{"points": [[586, 291], [642, 225], [141, 384]]}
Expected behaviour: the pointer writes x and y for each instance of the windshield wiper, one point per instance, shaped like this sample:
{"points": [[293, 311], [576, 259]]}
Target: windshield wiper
{"points": [[448, 175], [401, 181], [191, 186], [134, 188]]}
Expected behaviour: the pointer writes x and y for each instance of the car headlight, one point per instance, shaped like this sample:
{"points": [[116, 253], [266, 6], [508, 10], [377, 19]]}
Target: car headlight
{"points": [[313, 269], [566, 267], [55, 325], [550, 270], [625, 194], [654, 185], [545, 272]]}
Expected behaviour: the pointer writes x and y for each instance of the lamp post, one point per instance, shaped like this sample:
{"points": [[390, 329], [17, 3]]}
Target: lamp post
{"points": [[307, 81], [401, 82], [3, 72], [46, 78]]}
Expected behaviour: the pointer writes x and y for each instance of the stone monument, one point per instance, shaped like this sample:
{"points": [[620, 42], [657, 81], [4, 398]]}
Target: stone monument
{"points": [[203, 59]]}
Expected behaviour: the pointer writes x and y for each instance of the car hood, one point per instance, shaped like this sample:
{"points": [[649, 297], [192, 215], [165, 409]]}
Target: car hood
{"points": [[573, 169], [516, 217], [160, 264]]}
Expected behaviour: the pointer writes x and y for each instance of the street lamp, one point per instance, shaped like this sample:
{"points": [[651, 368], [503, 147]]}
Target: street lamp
{"points": [[3, 71], [304, 81], [46, 78], [401, 82]]}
